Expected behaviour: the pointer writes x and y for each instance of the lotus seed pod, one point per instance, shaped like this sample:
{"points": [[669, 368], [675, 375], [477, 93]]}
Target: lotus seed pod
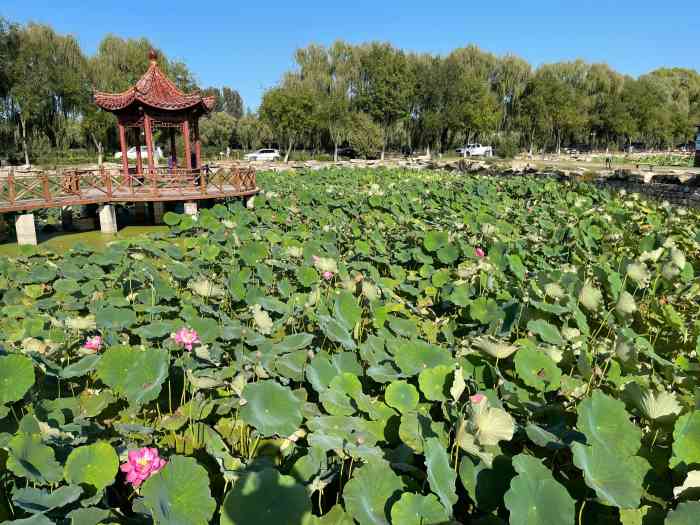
{"points": [[625, 304], [590, 296]]}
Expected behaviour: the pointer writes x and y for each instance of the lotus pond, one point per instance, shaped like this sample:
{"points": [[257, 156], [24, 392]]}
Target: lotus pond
{"points": [[366, 347]]}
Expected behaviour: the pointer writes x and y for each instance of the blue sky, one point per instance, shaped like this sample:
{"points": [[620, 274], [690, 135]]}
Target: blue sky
{"points": [[248, 45]]}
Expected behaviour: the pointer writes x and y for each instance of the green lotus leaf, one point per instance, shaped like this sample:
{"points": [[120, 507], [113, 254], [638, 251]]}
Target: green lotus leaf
{"points": [[435, 240], [369, 495], [685, 514], [646, 515], [335, 516], [547, 332], [336, 331], [39, 501], [88, 516], [415, 356], [434, 382], [156, 329], [293, 342], [686, 440], [95, 465], [516, 266], [307, 276], [36, 519], [441, 477], [82, 367], [486, 310], [461, 295], [617, 480], [135, 374], [535, 497], [347, 312], [271, 408], [494, 347], [402, 396], [29, 458], [415, 509], [66, 286], [179, 493], [266, 498], [253, 252], [171, 219], [486, 484], [606, 424], [112, 318], [537, 370], [16, 377]]}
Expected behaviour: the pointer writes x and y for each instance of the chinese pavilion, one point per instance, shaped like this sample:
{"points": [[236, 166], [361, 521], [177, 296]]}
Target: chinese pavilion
{"points": [[155, 102]]}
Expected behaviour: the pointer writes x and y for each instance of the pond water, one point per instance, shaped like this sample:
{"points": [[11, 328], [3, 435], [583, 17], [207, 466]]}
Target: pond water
{"points": [[62, 241]]}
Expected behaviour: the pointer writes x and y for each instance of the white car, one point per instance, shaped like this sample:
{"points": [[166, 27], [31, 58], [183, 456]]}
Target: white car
{"points": [[263, 154], [131, 153], [474, 150]]}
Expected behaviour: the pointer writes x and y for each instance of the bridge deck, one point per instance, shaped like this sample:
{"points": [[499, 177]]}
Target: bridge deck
{"points": [[24, 192]]}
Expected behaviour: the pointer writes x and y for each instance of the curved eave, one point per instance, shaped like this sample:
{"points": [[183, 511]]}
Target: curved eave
{"points": [[119, 102]]}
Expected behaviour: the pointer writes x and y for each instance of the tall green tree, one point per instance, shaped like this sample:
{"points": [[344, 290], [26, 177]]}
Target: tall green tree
{"points": [[288, 110], [383, 87]]}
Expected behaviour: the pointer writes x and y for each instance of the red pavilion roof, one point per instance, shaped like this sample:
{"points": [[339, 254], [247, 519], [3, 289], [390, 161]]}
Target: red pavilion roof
{"points": [[156, 90]]}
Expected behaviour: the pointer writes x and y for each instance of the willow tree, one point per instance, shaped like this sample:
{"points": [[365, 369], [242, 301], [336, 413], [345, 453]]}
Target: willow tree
{"points": [[48, 82]]}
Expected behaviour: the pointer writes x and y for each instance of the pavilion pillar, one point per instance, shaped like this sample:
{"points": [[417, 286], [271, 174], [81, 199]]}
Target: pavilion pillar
{"points": [[186, 137], [173, 150], [197, 145], [139, 163], [148, 130], [124, 148]]}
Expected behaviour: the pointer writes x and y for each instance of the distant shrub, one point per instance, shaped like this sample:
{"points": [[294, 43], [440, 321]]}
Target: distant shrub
{"points": [[506, 146]]}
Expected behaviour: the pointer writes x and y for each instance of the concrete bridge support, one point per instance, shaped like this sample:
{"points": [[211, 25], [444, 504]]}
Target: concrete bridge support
{"points": [[108, 219], [191, 208], [26, 229]]}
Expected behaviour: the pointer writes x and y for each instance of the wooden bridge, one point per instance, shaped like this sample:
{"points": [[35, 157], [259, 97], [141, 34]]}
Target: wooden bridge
{"points": [[25, 192], [31, 191]]}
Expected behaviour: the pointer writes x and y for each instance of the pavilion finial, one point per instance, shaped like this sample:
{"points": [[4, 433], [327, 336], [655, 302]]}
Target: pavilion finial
{"points": [[153, 56]]}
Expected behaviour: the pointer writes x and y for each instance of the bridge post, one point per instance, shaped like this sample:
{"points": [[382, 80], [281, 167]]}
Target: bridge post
{"points": [[108, 219], [158, 212], [191, 208], [26, 230]]}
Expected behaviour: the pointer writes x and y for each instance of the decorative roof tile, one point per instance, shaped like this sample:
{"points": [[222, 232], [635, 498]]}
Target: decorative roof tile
{"points": [[156, 90]]}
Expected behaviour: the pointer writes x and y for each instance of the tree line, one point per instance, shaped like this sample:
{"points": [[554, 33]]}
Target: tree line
{"points": [[370, 97], [374, 96]]}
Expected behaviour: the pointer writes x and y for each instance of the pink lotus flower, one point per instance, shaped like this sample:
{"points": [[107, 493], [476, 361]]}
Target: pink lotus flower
{"points": [[479, 252], [93, 343], [477, 398], [141, 465], [328, 276], [186, 337]]}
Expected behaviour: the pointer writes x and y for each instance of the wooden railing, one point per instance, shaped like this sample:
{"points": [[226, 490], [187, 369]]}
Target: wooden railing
{"points": [[27, 191]]}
